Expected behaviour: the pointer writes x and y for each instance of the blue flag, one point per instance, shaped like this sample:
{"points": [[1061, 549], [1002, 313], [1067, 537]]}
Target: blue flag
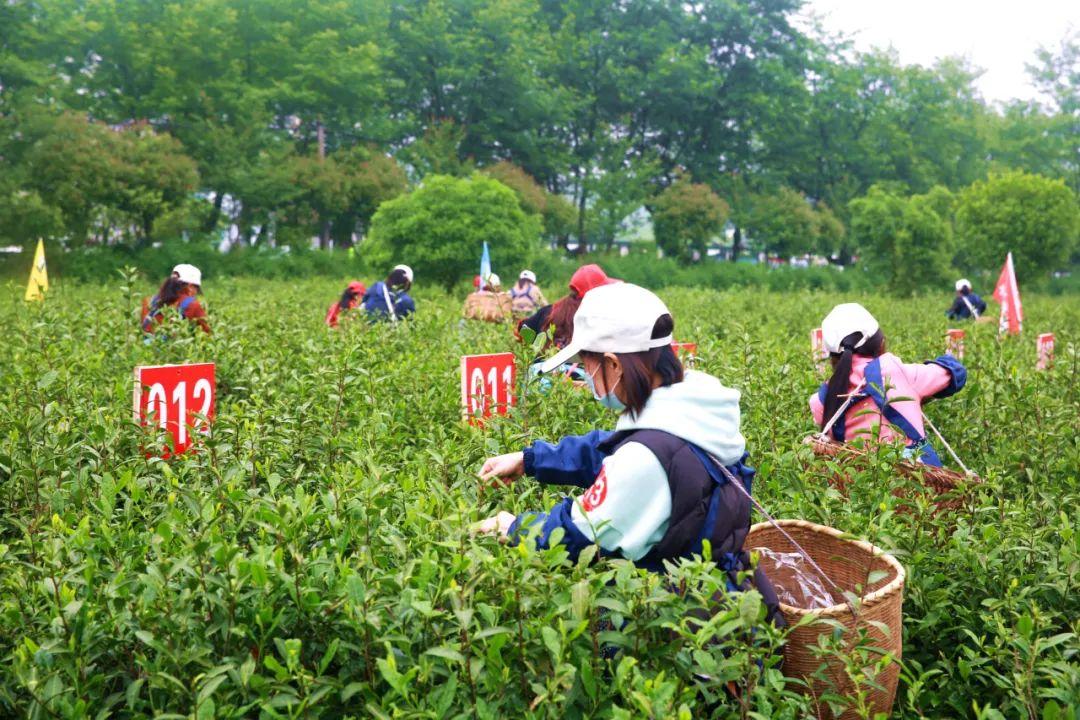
{"points": [[485, 265]]}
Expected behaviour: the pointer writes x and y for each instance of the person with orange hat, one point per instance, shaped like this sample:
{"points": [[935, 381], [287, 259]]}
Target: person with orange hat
{"points": [[351, 298]]}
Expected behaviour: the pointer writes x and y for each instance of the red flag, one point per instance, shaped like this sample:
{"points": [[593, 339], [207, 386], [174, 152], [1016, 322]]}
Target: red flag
{"points": [[1007, 294]]}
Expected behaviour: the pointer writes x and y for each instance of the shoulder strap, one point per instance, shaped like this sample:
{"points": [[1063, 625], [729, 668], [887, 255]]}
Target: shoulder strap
{"points": [[875, 388], [389, 303], [185, 304], [729, 562]]}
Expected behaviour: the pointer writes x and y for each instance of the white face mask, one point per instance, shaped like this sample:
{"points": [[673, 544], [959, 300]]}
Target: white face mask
{"points": [[609, 400]]}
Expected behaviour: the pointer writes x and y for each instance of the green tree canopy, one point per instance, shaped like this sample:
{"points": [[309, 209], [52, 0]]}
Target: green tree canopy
{"points": [[902, 239], [782, 222], [686, 216], [1033, 217], [440, 228]]}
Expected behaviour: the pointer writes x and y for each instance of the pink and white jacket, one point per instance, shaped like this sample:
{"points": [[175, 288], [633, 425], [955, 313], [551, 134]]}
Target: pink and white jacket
{"points": [[906, 386]]}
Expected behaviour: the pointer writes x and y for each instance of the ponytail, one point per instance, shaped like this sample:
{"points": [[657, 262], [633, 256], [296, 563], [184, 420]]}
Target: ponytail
{"points": [[168, 293], [346, 298], [837, 388]]}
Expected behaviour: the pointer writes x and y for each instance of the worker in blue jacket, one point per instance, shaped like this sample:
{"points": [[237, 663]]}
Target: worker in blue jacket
{"points": [[663, 481], [966, 304], [389, 299]]}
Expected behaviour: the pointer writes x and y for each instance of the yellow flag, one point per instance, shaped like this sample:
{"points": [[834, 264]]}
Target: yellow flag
{"points": [[39, 275]]}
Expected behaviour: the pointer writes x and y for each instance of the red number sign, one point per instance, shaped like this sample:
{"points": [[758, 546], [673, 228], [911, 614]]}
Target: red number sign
{"points": [[954, 343], [179, 399], [487, 385], [1045, 346], [817, 344]]}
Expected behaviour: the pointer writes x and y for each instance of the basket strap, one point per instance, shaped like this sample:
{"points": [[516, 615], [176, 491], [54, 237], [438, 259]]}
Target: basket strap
{"points": [[971, 309], [806, 556], [948, 447], [389, 304], [853, 396]]}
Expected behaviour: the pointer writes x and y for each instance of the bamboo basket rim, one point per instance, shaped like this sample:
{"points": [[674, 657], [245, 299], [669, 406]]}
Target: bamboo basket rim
{"points": [[816, 440], [881, 594]]}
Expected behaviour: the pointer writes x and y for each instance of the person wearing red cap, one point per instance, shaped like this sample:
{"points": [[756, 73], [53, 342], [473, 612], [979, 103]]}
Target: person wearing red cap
{"points": [[349, 299], [560, 314]]}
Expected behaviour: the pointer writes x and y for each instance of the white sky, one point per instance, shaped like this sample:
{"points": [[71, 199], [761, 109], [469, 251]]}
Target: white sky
{"points": [[999, 36]]}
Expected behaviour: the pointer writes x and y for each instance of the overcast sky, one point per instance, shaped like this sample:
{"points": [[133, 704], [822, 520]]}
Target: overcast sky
{"points": [[998, 36]]}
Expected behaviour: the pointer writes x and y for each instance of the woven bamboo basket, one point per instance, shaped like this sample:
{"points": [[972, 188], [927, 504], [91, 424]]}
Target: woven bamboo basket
{"points": [[848, 563], [941, 481]]}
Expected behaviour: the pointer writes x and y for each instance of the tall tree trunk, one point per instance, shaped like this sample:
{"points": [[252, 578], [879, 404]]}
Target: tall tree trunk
{"points": [[736, 243], [324, 232], [215, 214], [582, 196]]}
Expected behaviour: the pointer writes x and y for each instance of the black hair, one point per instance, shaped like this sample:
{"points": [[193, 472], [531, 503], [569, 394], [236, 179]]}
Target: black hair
{"points": [[398, 279], [841, 363], [346, 298], [170, 291], [562, 318], [965, 290], [638, 368]]}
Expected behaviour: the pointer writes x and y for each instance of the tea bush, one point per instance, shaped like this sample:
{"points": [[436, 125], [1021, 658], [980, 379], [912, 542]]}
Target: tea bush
{"points": [[313, 560]]}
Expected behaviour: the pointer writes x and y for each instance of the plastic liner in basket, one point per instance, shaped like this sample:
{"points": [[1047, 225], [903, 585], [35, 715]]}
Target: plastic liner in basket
{"points": [[796, 583]]}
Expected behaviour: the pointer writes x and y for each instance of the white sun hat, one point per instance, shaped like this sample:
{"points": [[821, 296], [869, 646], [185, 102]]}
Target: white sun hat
{"points": [[615, 318], [493, 281], [963, 283], [527, 275], [844, 320], [407, 270], [188, 274]]}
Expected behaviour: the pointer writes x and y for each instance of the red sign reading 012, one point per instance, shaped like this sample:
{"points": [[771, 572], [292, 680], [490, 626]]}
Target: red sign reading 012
{"points": [[179, 399], [487, 386]]}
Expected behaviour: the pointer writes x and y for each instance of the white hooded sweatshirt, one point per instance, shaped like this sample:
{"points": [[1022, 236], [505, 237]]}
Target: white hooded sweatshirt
{"points": [[628, 508]]}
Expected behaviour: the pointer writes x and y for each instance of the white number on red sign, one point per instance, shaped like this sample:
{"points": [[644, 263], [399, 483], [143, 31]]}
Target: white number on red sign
{"points": [[177, 399], [487, 385]]}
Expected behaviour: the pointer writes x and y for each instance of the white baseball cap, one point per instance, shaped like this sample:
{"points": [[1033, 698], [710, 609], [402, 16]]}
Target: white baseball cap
{"points": [[844, 320], [527, 275], [616, 318], [961, 284], [407, 270], [188, 274]]}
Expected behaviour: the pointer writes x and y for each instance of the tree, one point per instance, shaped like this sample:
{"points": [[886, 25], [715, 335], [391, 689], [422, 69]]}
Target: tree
{"points": [[554, 210], [101, 183], [686, 216], [830, 231], [440, 228], [902, 239], [1033, 217], [783, 223], [1057, 75], [532, 197]]}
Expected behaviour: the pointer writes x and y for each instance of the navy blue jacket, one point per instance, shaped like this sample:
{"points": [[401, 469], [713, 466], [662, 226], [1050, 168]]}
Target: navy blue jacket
{"points": [[959, 309], [375, 303]]}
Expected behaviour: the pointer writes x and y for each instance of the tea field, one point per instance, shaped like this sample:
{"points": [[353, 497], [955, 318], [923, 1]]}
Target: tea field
{"points": [[314, 558]]}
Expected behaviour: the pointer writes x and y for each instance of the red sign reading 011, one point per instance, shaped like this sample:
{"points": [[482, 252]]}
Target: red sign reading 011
{"points": [[179, 399], [487, 386]]}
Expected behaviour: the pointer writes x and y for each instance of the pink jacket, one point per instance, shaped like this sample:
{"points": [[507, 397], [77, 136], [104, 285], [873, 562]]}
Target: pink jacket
{"points": [[916, 381]]}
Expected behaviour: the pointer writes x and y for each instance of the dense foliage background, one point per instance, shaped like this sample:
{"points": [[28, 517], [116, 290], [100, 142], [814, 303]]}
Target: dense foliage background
{"points": [[313, 560], [132, 123]]}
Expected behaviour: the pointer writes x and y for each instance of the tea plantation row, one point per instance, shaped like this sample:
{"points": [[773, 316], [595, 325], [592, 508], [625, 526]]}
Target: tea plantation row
{"points": [[314, 559]]}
